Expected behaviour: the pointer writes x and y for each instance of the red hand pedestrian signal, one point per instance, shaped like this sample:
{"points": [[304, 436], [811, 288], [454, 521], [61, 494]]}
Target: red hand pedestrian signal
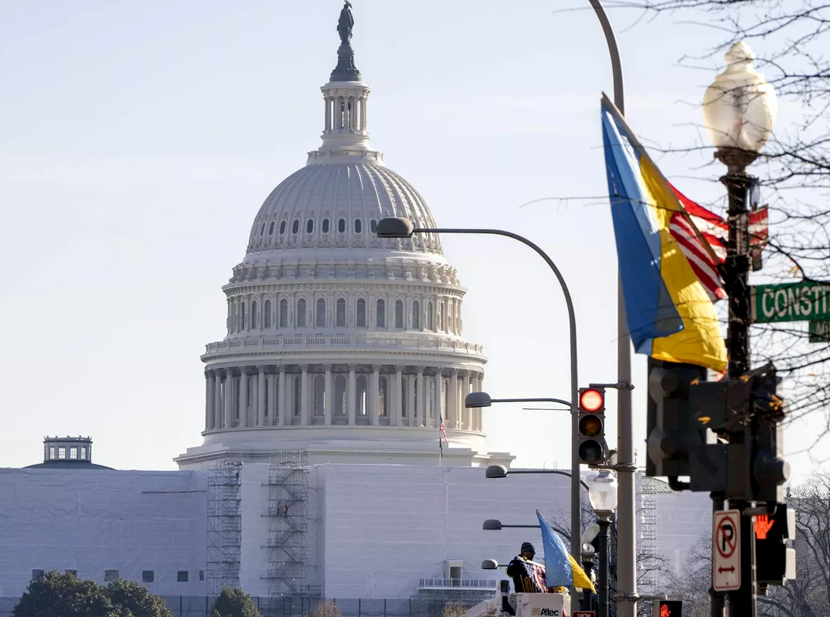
{"points": [[763, 524], [665, 611]]}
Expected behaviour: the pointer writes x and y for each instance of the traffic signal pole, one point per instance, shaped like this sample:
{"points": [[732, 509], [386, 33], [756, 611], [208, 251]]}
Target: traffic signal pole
{"points": [[743, 602]]}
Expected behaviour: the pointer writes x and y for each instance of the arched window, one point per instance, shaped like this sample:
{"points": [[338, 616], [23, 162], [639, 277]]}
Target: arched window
{"points": [[320, 318], [416, 315], [361, 313], [283, 313], [440, 317], [373, 225], [404, 396], [325, 226], [358, 226], [271, 228], [295, 227], [341, 313], [429, 317], [282, 228], [361, 403], [383, 389], [380, 314], [301, 310], [399, 313], [230, 316], [341, 226], [309, 226], [267, 317], [242, 318], [253, 315], [340, 395], [449, 317], [319, 395], [262, 230], [298, 396]]}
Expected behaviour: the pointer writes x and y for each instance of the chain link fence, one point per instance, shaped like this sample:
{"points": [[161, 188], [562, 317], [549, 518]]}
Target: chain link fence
{"points": [[199, 606]]}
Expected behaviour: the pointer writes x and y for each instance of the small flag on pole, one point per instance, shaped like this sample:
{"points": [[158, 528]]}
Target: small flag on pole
{"points": [[443, 429]]}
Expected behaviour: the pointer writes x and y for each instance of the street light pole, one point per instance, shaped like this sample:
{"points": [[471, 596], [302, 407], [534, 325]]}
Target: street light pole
{"points": [[626, 513], [739, 111], [403, 228]]}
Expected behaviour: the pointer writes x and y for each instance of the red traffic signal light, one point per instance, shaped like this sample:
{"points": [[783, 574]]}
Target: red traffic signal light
{"points": [[592, 448], [591, 399]]}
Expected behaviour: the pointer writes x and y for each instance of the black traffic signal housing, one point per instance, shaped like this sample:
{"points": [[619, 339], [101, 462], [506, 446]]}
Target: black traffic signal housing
{"points": [[593, 449], [667, 608], [774, 558], [672, 433], [748, 413]]}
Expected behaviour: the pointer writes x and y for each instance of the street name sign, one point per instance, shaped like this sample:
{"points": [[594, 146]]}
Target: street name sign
{"points": [[802, 301], [820, 331], [585, 614], [726, 550]]}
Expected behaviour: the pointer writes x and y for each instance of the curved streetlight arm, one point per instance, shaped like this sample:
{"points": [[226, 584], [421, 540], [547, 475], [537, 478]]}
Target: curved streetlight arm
{"points": [[560, 472], [576, 496], [616, 64], [531, 400]]}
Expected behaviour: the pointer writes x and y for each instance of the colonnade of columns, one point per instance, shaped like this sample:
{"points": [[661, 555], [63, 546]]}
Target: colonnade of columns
{"points": [[345, 112], [306, 395]]}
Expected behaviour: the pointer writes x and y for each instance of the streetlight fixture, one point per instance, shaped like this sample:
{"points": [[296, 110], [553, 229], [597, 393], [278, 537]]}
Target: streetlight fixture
{"points": [[739, 110], [398, 227], [603, 497]]}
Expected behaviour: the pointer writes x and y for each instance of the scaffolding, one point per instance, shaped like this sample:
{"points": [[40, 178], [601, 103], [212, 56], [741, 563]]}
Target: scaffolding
{"points": [[649, 555], [224, 527], [288, 527]]}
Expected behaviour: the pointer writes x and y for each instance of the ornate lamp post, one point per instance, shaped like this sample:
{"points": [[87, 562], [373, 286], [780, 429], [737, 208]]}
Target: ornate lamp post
{"points": [[739, 110], [603, 496]]}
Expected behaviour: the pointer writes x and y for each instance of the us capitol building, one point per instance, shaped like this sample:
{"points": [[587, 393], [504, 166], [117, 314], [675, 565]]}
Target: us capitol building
{"points": [[321, 473]]}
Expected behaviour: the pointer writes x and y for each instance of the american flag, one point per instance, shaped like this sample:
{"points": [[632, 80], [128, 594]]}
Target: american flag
{"points": [[703, 235]]}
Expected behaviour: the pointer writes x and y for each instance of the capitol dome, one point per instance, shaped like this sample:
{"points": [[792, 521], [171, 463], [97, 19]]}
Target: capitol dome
{"points": [[340, 343]]}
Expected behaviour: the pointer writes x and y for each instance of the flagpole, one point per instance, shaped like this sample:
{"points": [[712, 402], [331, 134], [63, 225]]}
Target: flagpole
{"points": [[626, 510]]}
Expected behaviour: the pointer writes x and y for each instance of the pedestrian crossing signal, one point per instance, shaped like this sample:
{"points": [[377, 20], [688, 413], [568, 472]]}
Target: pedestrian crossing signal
{"points": [[670, 608]]}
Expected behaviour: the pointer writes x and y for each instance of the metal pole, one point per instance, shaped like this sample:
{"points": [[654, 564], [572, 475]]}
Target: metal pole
{"points": [[743, 602], [603, 520], [717, 598], [576, 504], [588, 566], [626, 510]]}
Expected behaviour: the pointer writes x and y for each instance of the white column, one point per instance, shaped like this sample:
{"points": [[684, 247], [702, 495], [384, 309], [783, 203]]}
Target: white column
{"points": [[305, 412], [374, 399], [327, 113], [260, 406], [452, 396], [208, 400], [283, 402], [410, 396], [243, 397], [351, 394], [466, 413], [397, 408], [420, 413], [272, 399], [217, 399], [363, 114], [329, 398], [478, 414], [228, 399]]}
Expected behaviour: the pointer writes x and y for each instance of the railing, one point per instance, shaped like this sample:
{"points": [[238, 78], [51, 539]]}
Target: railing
{"points": [[457, 583], [271, 343]]}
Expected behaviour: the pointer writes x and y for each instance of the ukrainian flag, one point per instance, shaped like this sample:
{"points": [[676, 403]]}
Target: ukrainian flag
{"points": [[670, 315], [561, 569]]}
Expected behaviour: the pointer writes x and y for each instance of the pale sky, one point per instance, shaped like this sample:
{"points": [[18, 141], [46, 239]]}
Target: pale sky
{"points": [[138, 140]]}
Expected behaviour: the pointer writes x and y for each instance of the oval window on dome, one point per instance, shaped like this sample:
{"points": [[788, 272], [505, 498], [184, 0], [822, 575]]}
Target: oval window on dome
{"points": [[271, 229], [341, 226], [295, 227], [373, 226], [282, 228], [325, 226], [358, 226], [309, 226]]}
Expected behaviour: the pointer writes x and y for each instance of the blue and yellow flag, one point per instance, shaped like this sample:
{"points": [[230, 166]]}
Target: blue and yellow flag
{"points": [[561, 569], [670, 315]]}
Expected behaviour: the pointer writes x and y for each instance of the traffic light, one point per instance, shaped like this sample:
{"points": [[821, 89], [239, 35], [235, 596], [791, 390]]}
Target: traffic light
{"points": [[769, 469], [672, 433], [774, 559], [667, 608], [593, 448]]}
